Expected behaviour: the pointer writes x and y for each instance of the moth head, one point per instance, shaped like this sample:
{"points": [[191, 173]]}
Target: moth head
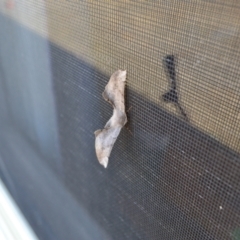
{"points": [[104, 161]]}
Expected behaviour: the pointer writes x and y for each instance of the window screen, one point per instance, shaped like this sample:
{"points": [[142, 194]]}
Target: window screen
{"points": [[174, 171]]}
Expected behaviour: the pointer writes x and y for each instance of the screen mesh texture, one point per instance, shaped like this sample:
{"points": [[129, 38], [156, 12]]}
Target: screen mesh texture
{"points": [[174, 171]]}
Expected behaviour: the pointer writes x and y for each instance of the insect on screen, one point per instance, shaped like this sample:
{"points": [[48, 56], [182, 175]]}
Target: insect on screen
{"points": [[174, 168]]}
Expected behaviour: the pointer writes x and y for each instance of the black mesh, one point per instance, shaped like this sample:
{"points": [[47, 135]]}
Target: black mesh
{"points": [[174, 171]]}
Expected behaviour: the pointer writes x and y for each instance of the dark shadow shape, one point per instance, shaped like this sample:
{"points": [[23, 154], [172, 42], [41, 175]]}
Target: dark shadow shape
{"points": [[171, 96]]}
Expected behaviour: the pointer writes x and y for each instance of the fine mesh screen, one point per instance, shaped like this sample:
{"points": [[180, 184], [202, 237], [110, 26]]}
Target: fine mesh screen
{"points": [[174, 171]]}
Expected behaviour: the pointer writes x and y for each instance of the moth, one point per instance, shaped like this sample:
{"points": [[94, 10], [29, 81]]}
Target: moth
{"points": [[106, 137]]}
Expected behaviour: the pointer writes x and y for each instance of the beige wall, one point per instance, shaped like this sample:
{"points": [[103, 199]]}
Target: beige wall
{"points": [[135, 35]]}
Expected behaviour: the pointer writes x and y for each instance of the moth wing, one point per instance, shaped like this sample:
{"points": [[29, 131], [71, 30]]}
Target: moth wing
{"points": [[104, 143], [105, 139], [97, 132], [118, 91], [114, 90]]}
